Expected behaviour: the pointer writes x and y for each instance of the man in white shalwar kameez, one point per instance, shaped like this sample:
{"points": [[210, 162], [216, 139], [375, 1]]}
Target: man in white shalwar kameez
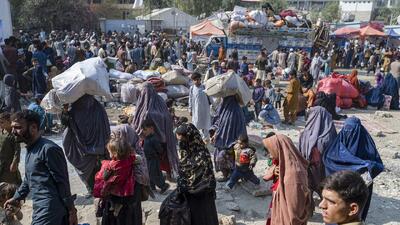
{"points": [[291, 60], [199, 106], [315, 67]]}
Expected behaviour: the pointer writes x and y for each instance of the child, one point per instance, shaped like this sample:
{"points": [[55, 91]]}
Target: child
{"points": [[269, 114], [344, 196], [244, 67], [245, 160], [199, 106], [115, 182], [278, 99], [153, 151], [258, 95], [269, 91], [12, 213]]}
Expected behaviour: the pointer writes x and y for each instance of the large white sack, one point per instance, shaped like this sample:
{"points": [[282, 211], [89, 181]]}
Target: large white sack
{"points": [[129, 93], [120, 75], [174, 77], [146, 74], [228, 84], [87, 77], [51, 103], [177, 91], [259, 16]]}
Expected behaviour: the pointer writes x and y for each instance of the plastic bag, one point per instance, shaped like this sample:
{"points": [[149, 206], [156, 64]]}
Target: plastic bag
{"points": [[177, 91], [51, 103], [87, 77], [174, 210], [129, 93], [259, 16], [120, 75]]}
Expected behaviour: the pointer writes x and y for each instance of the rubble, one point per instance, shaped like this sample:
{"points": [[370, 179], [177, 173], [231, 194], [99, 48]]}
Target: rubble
{"points": [[262, 190], [382, 114], [227, 220], [233, 206], [396, 155]]}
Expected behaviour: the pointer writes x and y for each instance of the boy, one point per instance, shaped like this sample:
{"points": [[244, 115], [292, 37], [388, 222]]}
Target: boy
{"points": [[344, 196], [244, 67], [258, 95], [199, 106], [152, 151], [39, 83], [245, 160], [278, 99], [269, 91]]}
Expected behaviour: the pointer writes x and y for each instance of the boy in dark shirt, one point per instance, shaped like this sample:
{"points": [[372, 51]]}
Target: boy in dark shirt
{"points": [[152, 151]]}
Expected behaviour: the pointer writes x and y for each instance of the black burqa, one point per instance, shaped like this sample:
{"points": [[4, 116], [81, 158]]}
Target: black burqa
{"points": [[86, 136], [328, 101], [391, 87]]}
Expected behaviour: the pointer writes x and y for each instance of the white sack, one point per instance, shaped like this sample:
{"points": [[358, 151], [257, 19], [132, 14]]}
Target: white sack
{"points": [[177, 91], [87, 77], [228, 84], [129, 93], [175, 78], [146, 74], [120, 75]]}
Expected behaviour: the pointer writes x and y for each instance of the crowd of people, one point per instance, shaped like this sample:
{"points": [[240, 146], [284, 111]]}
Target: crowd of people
{"points": [[124, 165]]}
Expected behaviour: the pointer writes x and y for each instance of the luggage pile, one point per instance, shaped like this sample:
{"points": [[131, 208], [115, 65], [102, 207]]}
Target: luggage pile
{"points": [[241, 17], [346, 93]]}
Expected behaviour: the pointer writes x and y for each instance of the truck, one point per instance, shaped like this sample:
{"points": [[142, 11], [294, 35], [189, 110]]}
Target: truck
{"points": [[249, 41]]}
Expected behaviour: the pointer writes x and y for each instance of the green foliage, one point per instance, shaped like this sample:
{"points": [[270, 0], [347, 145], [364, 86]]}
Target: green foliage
{"points": [[53, 14], [387, 15], [277, 5], [331, 12]]}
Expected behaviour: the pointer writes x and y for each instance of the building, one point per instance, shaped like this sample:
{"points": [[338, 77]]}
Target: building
{"points": [[309, 4], [361, 9], [6, 29], [124, 6], [169, 19]]}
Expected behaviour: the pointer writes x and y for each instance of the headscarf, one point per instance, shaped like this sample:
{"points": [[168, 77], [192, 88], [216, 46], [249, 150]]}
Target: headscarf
{"points": [[328, 101], [353, 79], [391, 87], [87, 135], [195, 166], [291, 203], [354, 149], [230, 123], [127, 133], [319, 132], [151, 106]]}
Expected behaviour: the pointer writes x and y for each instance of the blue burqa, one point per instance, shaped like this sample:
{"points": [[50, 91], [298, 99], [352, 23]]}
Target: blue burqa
{"points": [[354, 150], [229, 124], [391, 87]]}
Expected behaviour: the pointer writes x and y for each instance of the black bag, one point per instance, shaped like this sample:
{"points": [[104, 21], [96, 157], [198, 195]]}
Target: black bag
{"points": [[174, 210]]}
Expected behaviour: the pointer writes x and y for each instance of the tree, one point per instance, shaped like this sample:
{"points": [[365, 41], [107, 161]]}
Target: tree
{"points": [[277, 5], [331, 12], [107, 9], [55, 14]]}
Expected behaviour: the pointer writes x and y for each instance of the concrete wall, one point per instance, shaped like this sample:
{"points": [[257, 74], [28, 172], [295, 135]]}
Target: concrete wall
{"points": [[5, 18], [361, 9]]}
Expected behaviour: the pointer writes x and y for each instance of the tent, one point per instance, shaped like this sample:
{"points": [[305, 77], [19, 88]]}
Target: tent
{"points": [[393, 33], [370, 31], [346, 31], [204, 30]]}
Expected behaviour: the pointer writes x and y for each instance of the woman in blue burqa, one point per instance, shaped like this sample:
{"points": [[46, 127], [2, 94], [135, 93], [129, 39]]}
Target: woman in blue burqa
{"points": [[228, 126], [85, 137], [318, 135], [354, 150]]}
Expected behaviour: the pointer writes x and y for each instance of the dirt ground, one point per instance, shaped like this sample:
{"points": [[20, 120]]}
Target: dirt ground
{"points": [[385, 205]]}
